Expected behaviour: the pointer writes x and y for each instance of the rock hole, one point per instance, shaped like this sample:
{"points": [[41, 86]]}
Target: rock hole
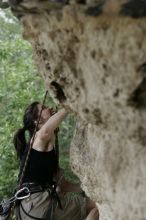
{"points": [[48, 66], [93, 54], [116, 93], [138, 97], [104, 66], [96, 10], [58, 91], [142, 69], [81, 2], [44, 54], [134, 8], [86, 110]]}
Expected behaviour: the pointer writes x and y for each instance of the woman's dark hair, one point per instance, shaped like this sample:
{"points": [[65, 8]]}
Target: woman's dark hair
{"points": [[29, 118]]}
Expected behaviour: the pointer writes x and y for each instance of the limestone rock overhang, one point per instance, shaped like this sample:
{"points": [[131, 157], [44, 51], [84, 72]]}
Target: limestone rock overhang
{"points": [[91, 55]]}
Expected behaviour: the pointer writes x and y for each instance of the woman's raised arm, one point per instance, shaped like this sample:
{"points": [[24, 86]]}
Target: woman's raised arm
{"points": [[47, 130]]}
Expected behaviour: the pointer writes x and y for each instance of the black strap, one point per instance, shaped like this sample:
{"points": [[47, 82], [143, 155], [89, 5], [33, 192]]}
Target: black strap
{"points": [[55, 197], [30, 216], [50, 211], [53, 202], [20, 214]]}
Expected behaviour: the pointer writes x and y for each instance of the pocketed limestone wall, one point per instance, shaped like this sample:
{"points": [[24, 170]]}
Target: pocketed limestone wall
{"points": [[92, 57]]}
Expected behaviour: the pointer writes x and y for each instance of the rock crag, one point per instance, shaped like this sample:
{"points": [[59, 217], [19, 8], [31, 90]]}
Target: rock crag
{"points": [[92, 57]]}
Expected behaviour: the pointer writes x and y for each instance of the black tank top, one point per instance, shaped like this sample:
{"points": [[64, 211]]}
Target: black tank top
{"points": [[40, 168]]}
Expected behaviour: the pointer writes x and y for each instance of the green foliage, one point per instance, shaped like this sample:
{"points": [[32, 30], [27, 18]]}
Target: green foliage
{"points": [[20, 85]]}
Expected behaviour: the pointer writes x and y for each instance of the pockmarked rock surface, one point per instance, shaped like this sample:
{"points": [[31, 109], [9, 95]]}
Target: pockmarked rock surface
{"points": [[92, 57]]}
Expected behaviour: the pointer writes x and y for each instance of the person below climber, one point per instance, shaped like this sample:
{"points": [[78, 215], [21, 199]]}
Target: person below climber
{"points": [[42, 171]]}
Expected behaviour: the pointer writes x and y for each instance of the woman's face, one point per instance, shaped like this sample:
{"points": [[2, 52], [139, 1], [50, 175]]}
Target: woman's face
{"points": [[46, 113]]}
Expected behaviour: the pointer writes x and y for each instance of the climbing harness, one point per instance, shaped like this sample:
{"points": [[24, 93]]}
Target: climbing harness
{"points": [[53, 201], [7, 206]]}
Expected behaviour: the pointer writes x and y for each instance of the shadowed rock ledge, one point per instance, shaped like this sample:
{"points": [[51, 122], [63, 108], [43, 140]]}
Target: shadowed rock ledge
{"points": [[92, 57]]}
